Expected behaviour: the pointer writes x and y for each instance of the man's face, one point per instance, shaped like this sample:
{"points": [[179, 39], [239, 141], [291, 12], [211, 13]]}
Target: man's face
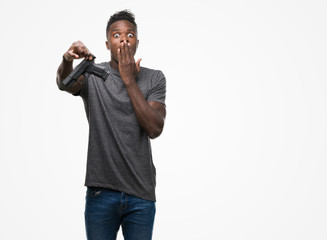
{"points": [[119, 32]]}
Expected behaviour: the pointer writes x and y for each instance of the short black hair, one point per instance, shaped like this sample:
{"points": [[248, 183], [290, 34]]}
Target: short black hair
{"points": [[121, 15]]}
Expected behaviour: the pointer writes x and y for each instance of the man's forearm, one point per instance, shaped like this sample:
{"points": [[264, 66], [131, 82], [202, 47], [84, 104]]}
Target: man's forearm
{"points": [[150, 119], [64, 69]]}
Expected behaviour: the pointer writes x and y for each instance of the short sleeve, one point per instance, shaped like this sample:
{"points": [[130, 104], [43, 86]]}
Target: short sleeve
{"points": [[158, 91]]}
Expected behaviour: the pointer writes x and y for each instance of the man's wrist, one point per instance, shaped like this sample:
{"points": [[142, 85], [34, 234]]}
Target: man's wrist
{"points": [[129, 82]]}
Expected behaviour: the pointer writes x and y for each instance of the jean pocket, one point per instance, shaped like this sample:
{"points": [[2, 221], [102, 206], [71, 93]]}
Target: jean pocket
{"points": [[93, 191]]}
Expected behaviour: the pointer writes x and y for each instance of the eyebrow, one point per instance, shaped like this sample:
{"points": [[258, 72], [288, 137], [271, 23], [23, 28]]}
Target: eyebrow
{"points": [[118, 29]]}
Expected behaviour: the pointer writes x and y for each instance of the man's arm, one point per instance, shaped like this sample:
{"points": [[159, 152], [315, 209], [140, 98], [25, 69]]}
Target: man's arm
{"points": [[77, 50], [150, 115]]}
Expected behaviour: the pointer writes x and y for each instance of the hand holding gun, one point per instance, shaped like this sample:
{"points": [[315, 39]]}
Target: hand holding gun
{"points": [[86, 67]]}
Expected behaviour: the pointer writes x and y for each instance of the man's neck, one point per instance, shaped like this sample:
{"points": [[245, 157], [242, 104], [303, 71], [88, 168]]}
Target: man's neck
{"points": [[114, 64]]}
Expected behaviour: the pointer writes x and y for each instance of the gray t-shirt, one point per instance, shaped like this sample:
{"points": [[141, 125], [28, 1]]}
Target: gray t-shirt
{"points": [[119, 151]]}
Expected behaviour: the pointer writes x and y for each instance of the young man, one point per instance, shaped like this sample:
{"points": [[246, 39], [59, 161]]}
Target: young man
{"points": [[124, 112]]}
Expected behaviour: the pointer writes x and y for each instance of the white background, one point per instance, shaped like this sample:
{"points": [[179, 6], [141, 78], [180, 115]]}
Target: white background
{"points": [[243, 153]]}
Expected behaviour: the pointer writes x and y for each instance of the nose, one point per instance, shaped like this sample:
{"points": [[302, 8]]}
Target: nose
{"points": [[124, 38]]}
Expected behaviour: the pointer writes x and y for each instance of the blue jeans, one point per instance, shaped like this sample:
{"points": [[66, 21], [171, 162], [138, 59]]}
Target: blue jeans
{"points": [[106, 210]]}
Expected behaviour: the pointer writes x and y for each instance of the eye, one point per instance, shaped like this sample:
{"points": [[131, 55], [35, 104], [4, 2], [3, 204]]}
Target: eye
{"points": [[116, 35], [130, 35]]}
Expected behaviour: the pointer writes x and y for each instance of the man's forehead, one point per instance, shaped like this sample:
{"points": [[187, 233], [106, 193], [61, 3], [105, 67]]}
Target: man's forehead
{"points": [[122, 25]]}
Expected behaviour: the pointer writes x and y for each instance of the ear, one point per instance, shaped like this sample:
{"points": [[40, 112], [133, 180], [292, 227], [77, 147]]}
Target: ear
{"points": [[137, 43], [108, 45]]}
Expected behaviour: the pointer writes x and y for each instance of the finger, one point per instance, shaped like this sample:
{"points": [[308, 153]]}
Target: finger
{"points": [[82, 51], [72, 54], [129, 53], [119, 55], [88, 54], [138, 63], [123, 51]]}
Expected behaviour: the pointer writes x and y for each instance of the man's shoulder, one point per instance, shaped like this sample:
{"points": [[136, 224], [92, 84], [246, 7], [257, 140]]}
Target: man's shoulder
{"points": [[150, 73], [103, 64], [148, 69]]}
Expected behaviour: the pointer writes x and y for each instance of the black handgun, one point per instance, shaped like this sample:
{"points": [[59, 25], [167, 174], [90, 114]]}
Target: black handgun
{"points": [[85, 67]]}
